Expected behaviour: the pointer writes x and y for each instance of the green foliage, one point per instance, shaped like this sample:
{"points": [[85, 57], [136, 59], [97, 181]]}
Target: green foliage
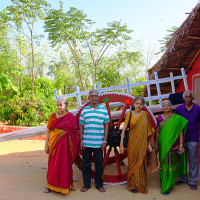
{"points": [[166, 39], [114, 34], [73, 28], [80, 57], [63, 27], [27, 110], [137, 91], [9, 71], [44, 88], [30, 109], [26, 12], [109, 76]]}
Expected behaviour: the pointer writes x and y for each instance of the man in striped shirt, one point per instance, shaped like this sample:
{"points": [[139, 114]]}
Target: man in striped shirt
{"points": [[93, 138]]}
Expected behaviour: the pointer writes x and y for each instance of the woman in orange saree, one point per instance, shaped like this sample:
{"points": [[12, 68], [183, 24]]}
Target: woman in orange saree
{"points": [[141, 140], [62, 145]]}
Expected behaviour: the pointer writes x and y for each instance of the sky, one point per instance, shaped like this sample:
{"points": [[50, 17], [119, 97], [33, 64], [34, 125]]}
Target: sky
{"points": [[148, 18]]}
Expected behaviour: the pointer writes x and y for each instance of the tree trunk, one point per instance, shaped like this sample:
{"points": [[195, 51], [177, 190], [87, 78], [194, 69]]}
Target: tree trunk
{"points": [[33, 62]]}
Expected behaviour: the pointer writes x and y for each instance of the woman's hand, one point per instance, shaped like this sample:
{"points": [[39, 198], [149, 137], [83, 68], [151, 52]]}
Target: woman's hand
{"points": [[150, 149], [156, 148], [46, 145], [46, 149], [81, 146], [181, 149], [121, 149]]}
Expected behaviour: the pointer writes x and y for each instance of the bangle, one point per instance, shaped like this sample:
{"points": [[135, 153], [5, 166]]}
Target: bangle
{"points": [[181, 145], [105, 141]]}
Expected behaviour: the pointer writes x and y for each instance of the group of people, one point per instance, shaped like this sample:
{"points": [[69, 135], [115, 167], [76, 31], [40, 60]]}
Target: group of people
{"points": [[176, 141]]}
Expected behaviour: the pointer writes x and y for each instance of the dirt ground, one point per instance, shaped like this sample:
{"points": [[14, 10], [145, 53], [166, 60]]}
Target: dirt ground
{"points": [[23, 167]]}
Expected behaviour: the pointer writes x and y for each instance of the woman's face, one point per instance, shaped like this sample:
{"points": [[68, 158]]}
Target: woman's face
{"points": [[61, 107], [138, 105], [166, 107]]}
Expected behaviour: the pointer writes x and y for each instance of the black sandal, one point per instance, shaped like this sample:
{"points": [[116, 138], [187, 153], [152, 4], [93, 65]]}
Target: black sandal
{"points": [[134, 191]]}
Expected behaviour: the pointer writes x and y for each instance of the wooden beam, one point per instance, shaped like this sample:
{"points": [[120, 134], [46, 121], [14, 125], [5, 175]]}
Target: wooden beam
{"points": [[186, 53], [153, 88], [29, 132], [193, 60], [193, 37], [175, 69]]}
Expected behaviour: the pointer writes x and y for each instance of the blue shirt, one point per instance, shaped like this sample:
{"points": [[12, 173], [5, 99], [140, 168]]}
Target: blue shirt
{"points": [[193, 117]]}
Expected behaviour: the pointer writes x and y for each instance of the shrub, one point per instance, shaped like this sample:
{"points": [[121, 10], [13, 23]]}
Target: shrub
{"points": [[26, 110]]}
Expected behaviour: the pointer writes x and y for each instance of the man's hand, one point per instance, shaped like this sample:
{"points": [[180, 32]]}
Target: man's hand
{"points": [[81, 146], [103, 145]]}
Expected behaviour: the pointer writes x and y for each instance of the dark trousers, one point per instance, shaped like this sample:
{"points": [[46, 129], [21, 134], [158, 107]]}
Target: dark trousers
{"points": [[98, 159]]}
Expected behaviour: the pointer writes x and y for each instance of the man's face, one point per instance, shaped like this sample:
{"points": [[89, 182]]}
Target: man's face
{"points": [[188, 98], [93, 98]]}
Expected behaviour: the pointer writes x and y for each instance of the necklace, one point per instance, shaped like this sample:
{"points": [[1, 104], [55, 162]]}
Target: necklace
{"points": [[60, 115], [137, 113], [165, 116]]}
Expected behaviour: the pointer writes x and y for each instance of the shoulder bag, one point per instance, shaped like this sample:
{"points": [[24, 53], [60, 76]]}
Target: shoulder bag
{"points": [[126, 135]]}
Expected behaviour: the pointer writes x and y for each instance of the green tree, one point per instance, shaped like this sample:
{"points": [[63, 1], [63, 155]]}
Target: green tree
{"points": [[74, 29], [8, 59], [63, 74], [115, 68], [27, 13], [166, 39]]}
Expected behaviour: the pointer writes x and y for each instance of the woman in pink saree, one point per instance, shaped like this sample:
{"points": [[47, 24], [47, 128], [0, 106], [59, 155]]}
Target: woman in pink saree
{"points": [[62, 145]]}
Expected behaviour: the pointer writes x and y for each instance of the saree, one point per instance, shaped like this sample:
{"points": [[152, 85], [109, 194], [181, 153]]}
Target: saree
{"points": [[171, 164], [139, 136], [63, 147]]}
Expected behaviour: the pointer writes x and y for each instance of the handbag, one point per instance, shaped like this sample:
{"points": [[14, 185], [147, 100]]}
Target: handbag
{"points": [[126, 135]]}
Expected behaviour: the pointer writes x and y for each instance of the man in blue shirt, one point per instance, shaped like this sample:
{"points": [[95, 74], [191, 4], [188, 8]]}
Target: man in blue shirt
{"points": [[191, 112]]}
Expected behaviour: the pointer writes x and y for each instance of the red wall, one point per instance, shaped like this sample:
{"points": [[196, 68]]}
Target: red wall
{"points": [[195, 70]]}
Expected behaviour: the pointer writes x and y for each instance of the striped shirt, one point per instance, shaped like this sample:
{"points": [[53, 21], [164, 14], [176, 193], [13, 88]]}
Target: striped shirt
{"points": [[93, 121]]}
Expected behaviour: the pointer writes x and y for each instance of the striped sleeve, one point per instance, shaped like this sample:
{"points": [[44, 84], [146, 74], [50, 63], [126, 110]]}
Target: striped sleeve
{"points": [[81, 119], [107, 119]]}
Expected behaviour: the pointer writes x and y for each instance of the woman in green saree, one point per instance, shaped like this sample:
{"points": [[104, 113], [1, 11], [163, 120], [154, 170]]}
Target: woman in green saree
{"points": [[170, 137]]}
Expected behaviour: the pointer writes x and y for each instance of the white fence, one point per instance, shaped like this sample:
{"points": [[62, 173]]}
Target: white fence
{"points": [[128, 86]]}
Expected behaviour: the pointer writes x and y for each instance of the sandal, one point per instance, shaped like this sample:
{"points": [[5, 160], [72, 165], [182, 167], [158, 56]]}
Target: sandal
{"points": [[73, 188], [84, 189], [134, 191], [46, 190], [101, 189]]}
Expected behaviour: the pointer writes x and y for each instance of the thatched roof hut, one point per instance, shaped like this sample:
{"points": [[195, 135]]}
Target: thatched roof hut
{"points": [[182, 51]]}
